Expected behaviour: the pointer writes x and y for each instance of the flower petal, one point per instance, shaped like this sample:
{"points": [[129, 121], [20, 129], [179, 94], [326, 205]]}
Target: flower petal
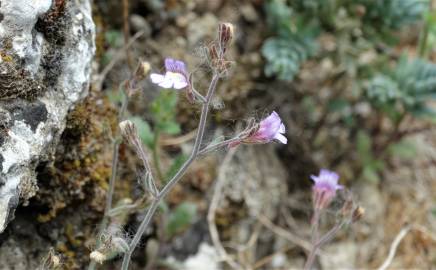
{"points": [[179, 81], [281, 138], [156, 78], [169, 64], [282, 128], [167, 81]]}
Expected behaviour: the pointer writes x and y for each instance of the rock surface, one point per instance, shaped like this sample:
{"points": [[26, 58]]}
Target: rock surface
{"points": [[46, 52]]}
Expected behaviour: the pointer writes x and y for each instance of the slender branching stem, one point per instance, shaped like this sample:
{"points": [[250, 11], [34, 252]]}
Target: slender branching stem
{"points": [[315, 232], [110, 193], [319, 243], [174, 180], [218, 145]]}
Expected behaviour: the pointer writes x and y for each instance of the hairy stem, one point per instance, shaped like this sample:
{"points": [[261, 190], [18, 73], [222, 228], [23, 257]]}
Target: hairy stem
{"points": [[315, 232], [216, 146], [319, 243], [174, 180]]}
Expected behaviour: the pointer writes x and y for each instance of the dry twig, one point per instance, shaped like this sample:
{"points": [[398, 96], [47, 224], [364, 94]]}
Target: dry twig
{"points": [[284, 233], [212, 209], [403, 232]]}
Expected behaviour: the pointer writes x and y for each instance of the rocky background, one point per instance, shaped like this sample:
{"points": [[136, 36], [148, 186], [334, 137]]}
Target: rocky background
{"points": [[60, 68]]}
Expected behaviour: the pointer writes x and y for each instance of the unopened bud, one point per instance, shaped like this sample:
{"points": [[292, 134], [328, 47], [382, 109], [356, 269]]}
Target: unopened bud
{"points": [[98, 257], [358, 213], [142, 70], [55, 260], [225, 32], [128, 130]]}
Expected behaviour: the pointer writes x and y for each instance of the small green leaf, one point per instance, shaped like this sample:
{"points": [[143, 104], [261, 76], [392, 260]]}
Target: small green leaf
{"points": [[171, 128], [163, 110], [180, 218], [114, 38], [115, 96], [144, 130], [370, 174]]}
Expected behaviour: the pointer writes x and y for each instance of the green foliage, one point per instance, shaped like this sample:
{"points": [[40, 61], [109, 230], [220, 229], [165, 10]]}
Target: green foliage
{"points": [[163, 110], [393, 14], [144, 130], [293, 45], [407, 88], [285, 55], [114, 38], [180, 218]]}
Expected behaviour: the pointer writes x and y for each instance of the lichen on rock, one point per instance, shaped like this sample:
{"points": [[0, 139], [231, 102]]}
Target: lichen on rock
{"points": [[46, 50]]}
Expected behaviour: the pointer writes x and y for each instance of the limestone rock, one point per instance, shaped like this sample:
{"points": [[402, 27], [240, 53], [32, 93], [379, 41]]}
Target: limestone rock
{"points": [[46, 49]]}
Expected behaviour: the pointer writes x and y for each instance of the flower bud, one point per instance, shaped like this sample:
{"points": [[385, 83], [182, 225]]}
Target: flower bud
{"points": [[128, 130], [225, 35], [142, 70], [358, 213], [98, 257]]}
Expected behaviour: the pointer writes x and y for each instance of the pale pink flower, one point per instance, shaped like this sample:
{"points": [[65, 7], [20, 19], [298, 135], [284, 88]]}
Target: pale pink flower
{"points": [[325, 187], [270, 128], [176, 75]]}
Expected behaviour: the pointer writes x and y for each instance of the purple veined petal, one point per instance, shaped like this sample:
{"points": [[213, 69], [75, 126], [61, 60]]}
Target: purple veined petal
{"points": [[156, 78], [169, 64], [176, 66], [180, 66], [281, 138]]}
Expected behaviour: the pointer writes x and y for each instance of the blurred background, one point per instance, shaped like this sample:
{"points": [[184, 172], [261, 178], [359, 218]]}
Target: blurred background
{"points": [[354, 83]]}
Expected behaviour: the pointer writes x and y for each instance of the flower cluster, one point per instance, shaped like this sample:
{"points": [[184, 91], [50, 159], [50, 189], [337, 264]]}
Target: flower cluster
{"points": [[325, 187]]}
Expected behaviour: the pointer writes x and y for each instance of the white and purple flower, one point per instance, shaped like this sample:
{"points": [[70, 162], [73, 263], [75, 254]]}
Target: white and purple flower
{"points": [[325, 187], [270, 128], [176, 75]]}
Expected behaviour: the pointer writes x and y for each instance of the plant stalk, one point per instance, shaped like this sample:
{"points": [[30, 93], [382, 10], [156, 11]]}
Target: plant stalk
{"points": [[174, 180], [110, 193]]}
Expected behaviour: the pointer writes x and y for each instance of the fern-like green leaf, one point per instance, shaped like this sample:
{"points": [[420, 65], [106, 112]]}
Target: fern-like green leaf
{"points": [[293, 44], [411, 84], [285, 55], [393, 14]]}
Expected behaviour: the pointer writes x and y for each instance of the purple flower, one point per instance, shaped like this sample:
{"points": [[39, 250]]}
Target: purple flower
{"points": [[270, 128], [324, 189], [176, 75]]}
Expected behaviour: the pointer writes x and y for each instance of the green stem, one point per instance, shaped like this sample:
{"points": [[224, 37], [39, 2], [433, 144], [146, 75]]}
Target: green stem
{"points": [[423, 39]]}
